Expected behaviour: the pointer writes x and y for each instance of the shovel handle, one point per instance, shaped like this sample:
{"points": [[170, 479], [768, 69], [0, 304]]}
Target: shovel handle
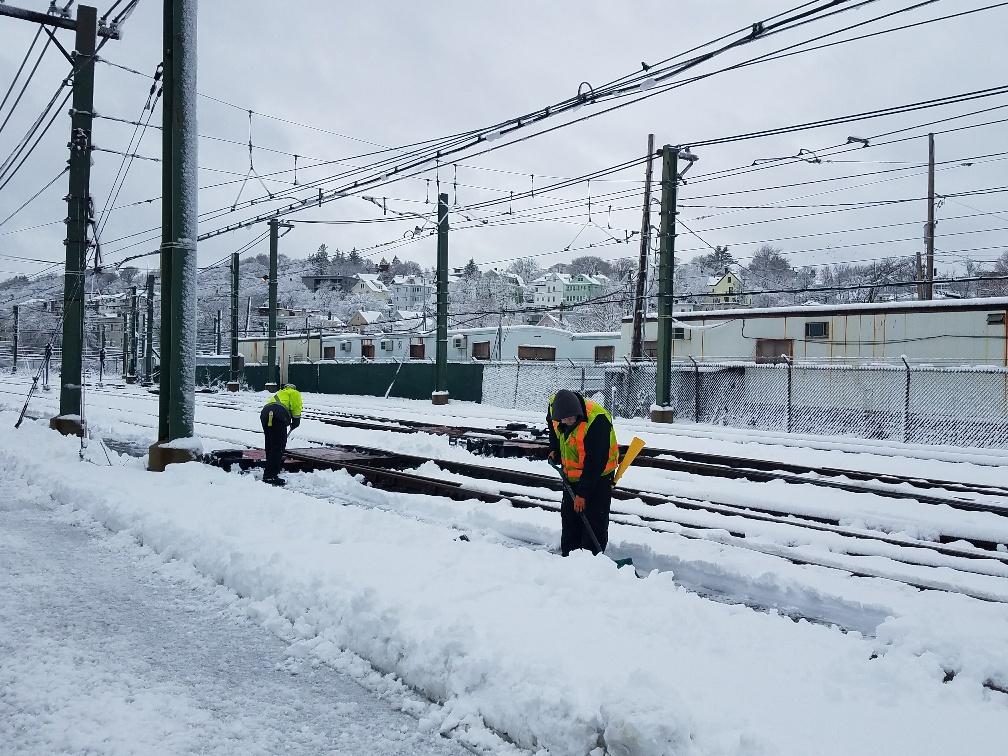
{"points": [[584, 518]]}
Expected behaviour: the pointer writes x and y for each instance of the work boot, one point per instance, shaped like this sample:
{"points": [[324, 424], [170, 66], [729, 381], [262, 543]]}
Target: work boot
{"points": [[275, 481]]}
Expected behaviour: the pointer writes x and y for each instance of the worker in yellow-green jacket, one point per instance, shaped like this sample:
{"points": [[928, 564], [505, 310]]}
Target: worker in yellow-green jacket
{"points": [[282, 411], [583, 443]]}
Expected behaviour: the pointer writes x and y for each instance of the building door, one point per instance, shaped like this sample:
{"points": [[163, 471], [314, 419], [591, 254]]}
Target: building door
{"points": [[770, 350], [367, 349], [329, 353], [537, 353], [416, 350], [481, 350]]}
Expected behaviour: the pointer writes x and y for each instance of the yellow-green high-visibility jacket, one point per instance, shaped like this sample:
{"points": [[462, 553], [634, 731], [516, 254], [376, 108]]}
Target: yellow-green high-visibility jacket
{"points": [[572, 445], [289, 398]]}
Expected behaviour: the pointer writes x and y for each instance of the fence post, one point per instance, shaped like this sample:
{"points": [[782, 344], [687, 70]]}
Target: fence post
{"points": [[582, 380], [790, 367], [906, 401], [696, 390], [514, 404]]}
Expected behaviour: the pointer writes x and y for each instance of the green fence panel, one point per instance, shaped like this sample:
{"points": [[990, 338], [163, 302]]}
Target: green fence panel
{"points": [[304, 375], [255, 376], [410, 381]]}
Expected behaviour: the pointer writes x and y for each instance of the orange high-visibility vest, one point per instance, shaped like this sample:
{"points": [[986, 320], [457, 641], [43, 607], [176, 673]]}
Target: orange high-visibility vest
{"points": [[572, 450]]}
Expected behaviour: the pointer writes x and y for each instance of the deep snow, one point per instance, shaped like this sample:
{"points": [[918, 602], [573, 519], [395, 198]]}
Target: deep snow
{"points": [[553, 653]]}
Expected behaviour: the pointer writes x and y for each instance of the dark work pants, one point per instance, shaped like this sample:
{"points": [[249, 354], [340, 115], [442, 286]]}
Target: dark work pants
{"points": [[275, 433], [573, 534]]}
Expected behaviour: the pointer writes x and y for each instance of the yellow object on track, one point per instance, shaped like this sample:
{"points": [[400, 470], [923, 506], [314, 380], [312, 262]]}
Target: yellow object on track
{"points": [[631, 454]]}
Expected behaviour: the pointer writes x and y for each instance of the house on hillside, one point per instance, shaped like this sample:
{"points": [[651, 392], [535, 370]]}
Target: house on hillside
{"points": [[411, 292], [725, 291], [365, 320], [316, 283], [371, 285]]}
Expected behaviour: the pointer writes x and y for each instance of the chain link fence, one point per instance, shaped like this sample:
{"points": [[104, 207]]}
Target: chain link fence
{"points": [[965, 406]]}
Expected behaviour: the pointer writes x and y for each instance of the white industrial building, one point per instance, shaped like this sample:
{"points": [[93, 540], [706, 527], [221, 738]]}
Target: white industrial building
{"points": [[952, 332], [509, 343]]}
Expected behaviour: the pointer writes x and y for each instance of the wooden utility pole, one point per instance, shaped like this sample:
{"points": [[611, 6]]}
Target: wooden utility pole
{"points": [[440, 394], [664, 412], [930, 233], [131, 373], [640, 306]]}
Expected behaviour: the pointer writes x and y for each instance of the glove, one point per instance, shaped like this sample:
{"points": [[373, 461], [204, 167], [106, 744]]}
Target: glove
{"points": [[552, 456], [579, 503], [295, 422]]}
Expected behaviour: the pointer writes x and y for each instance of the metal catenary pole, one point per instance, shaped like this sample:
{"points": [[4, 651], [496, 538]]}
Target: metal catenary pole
{"points": [[217, 333], [14, 341], [235, 367], [78, 202], [179, 216], [440, 395], [666, 271], [636, 346], [930, 236], [133, 330], [148, 372], [272, 369], [125, 344]]}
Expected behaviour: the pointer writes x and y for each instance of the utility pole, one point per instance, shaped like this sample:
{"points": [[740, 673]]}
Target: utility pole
{"points": [[217, 333], [179, 208], [639, 315], [664, 412], [131, 373], [930, 231], [101, 359], [125, 345], [235, 362], [148, 372], [440, 394], [14, 344], [78, 212], [272, 371]]}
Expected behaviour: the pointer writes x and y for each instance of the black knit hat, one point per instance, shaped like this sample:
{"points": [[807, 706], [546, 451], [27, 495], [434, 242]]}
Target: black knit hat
{"points": [[567, 404]]}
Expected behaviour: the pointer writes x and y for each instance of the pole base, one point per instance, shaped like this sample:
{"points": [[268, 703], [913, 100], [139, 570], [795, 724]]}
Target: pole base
{"points": [[159, 456], [272, 387], [233, 386], [67, 425], [662, 415], [439, 397]]}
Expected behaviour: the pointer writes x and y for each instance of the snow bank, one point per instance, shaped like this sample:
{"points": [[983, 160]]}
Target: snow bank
{"points": [[561, 655]]}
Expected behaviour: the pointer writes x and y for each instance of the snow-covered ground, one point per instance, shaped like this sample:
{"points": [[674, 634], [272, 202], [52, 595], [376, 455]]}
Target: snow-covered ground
{"points": [[558, 655], [105, 647]]}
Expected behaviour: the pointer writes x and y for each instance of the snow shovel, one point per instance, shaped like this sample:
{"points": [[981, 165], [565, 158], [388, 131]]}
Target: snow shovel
{"points": [[584, 521], [636, 444]]}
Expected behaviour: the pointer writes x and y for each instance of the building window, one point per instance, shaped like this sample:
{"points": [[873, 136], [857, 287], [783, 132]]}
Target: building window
{"points": [[995, 318], [605, 354], [650, 349], [537, 353], [679, 334], [481, 350], [817, 329], [774, 350]]}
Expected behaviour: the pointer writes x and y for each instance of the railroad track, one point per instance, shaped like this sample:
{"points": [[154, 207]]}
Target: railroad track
{"points": [[379, 468], [521, 441]]}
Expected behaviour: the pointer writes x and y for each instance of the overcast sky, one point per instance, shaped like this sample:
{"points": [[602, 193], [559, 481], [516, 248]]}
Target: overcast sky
{"points": [[391, 73]]}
